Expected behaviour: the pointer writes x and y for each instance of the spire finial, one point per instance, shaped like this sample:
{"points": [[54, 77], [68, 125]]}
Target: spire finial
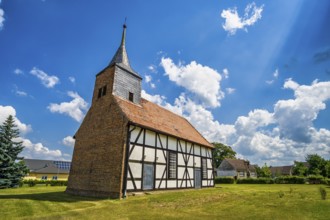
{"points": [[124, 26]]}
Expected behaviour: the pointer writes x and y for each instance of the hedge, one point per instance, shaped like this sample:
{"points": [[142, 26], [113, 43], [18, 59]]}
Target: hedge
{"points": [[229, 180], [315, 179], [255, 181], [32, 183], [290, 180]]}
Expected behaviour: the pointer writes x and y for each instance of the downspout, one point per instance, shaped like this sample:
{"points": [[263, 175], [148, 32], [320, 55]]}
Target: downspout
{"points": [[124, 191]]}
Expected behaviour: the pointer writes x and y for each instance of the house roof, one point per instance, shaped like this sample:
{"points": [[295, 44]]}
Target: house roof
{"points": [[283, 170], [240, 165], [154, 117], [47, 166]]}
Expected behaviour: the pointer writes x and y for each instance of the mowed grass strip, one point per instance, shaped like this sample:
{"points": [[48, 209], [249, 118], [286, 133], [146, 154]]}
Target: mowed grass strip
{"points": [[232, 201]]}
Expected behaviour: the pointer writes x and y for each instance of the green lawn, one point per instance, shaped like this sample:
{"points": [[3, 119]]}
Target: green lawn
{"points": [[222, 202]]}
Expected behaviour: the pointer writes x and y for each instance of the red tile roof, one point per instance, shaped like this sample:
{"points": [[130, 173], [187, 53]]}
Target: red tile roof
{"points": [[157, 118]]}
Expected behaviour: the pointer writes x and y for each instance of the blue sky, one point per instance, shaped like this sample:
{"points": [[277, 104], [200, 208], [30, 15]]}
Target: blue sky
{"points": [[254, 75]]}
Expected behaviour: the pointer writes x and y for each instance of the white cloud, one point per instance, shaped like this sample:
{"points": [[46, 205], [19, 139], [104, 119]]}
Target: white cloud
{"points": [[2, 18], [158, 99], [72, 79], [152, 85], [202, 81], [152, 68], [5, 111], [148, 78], [225, 73], [18, 71], [68, 141], [39, 151], [230, 90], [233, 21], [75, 108], [46, 80], [277, 137], [275, 76], [21, 93]]}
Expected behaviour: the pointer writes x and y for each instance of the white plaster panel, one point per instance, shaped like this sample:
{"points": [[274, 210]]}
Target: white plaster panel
{"points": [[150, 138], [171, 143], [197, 150], [171, 183], [149, 154], [160, 156], [160, 170], [197, 161], [138, 184], [136, 169], [134, 135], [162, 140], [209, 173], [191, 160], [180, 172], [130, 185], [191, 172], [180, 159], [183, 146], [162, 184], [209, 152], [189, 183], [183, 182], [203, 151], [136, 153], [209, 163], [128, 175], [204, 183], [189, 146]]}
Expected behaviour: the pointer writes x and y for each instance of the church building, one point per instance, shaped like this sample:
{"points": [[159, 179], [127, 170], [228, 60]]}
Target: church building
{"points": [[128, 144]]}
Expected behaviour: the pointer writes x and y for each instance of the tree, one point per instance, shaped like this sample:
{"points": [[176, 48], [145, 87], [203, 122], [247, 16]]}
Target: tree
{"points": [[317, 165], [12, 168], [221, 152], [299, 169], [264, 171]]}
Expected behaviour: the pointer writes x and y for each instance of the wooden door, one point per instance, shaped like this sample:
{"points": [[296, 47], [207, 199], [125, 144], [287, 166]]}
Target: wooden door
{"points": [[148, 176], [198, 178]]}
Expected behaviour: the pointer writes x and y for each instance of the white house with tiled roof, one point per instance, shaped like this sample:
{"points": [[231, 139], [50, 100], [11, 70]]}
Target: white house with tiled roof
{"points": [[128, 144]]}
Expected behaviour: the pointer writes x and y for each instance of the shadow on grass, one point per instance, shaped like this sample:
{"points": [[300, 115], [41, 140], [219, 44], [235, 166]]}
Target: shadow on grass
{"points": [[50, 196]]}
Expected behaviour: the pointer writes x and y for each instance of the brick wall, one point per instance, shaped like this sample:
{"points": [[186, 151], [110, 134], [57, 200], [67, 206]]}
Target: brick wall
{"points": [[98, 158]]}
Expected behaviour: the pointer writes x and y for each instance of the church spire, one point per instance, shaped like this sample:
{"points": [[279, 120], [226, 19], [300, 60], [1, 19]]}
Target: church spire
{"points": [[120, 56]]}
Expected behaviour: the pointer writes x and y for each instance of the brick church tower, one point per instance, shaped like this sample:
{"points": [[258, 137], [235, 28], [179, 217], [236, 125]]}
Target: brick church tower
{"points": [[99, 152]]}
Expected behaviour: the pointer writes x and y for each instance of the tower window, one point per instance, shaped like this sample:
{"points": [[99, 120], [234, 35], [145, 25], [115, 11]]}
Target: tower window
{"points": [[130, 96], [102, 91]]}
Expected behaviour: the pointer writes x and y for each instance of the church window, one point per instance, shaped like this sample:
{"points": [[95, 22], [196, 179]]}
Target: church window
{"points": [[172, 162], [131, 96], [102, 91]]}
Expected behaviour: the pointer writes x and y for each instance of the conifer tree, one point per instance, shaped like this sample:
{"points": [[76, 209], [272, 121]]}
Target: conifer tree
{"points": [[12, 168]]}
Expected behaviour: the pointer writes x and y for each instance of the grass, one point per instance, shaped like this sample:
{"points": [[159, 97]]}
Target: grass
{"points": [[223, 201]]}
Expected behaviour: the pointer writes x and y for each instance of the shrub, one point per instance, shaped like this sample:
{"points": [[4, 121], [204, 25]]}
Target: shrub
{"points": [[313, 179], [323, 193], [290, 180], [32, 183], [281, 194], [229, 180], [262, 180]]}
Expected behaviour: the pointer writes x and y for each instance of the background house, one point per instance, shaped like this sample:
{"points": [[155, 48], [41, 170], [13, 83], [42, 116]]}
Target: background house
{"points": [[237, 169], [281, 171], [47, 169]]}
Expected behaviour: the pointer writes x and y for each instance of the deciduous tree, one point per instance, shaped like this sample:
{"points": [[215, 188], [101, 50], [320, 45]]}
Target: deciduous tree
{"points": [[221, 152]]}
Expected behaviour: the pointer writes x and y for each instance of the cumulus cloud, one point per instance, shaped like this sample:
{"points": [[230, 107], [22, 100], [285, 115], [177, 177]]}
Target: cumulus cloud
{"points": [[68, 141], [277, 137], [152, 68], [148, 78], [75, 108], [5, 111], [202, 81], [158, 99], [38, 150], [225, 73], [46, 80], [233, 21]]}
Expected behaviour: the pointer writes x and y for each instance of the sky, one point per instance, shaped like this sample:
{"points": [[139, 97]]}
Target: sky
{"points": [[254, 75]]}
